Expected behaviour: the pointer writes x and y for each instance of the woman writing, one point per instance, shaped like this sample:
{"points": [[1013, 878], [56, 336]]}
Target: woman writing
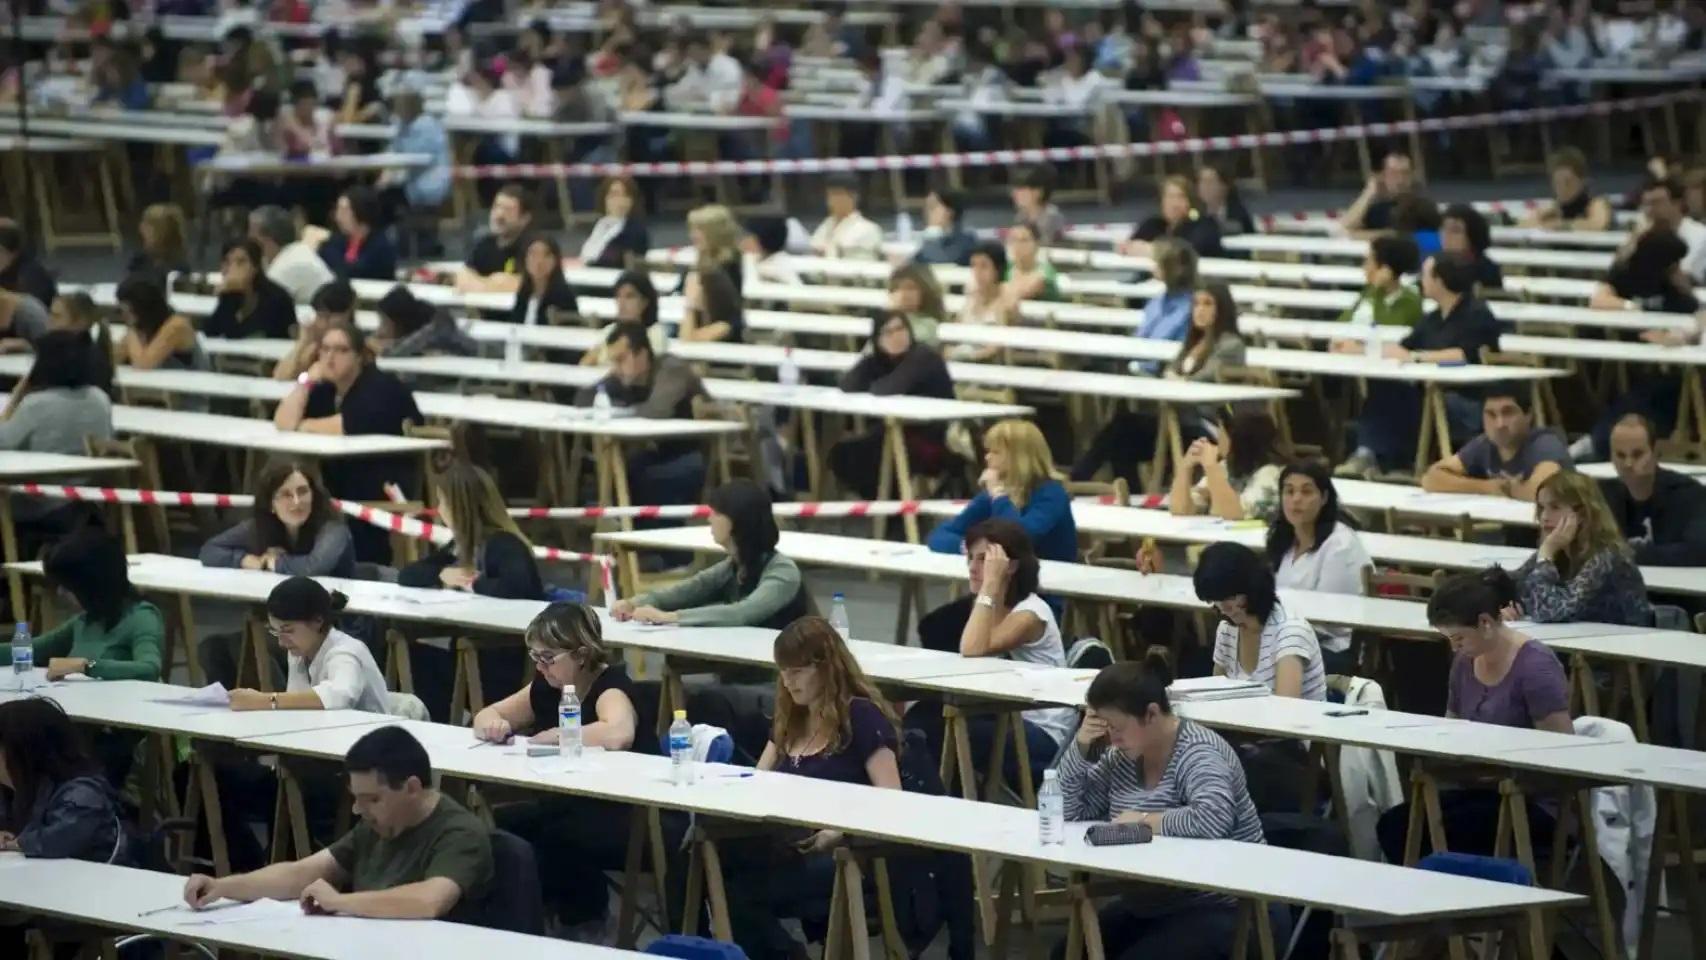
{"points": [[293, 529], [489, 556], [1240, 470], [1311, 547], [636, 302], [915, 293], [115, 635], [1134, 761], [1499, 676], [545, 297], [250, 304], [1257, 639], [1019, 484], [619, 238], [896, 365], [1583, 570], [54, 803], [831, 724], [754, 586], [327, 669]]}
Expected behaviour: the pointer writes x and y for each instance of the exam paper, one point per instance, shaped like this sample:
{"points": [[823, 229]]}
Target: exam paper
{"points": [[212, 695], [230, 911]]}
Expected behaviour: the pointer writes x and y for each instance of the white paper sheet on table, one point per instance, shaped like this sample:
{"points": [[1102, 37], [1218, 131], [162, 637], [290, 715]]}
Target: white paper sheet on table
{"points": [[229, 911], [433, 599], [212, 695]]}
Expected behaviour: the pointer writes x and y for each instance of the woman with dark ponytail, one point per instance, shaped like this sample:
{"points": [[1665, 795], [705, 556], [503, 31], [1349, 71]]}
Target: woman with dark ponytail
{"points": [[328, 668], [1498, 676]]}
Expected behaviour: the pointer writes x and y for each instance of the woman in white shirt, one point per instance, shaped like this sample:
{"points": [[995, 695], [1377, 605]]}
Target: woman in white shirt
{"points": [[328, 669], [1312, 547], [1257, 639], [1009, 619]]}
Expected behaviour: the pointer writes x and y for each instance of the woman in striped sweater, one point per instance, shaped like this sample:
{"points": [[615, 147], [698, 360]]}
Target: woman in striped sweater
{"points": [[1134, 761]]}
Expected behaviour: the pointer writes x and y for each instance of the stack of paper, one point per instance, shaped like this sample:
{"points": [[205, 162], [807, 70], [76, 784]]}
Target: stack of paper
{"points": [[1215, 688]]}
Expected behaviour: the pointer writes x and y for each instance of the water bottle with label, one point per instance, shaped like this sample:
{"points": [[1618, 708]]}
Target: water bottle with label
{"points": [[681, 750], [788, 372], [569, 725], [838, 617], [601, 404], [1051, 810], [23, 656]]}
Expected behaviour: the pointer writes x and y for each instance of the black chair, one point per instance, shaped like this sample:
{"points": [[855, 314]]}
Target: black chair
{"points": [[515, 902]]}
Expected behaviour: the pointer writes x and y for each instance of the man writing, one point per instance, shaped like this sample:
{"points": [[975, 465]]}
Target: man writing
{"points": [[416, 855], [1509, 459], [1661, 512]]}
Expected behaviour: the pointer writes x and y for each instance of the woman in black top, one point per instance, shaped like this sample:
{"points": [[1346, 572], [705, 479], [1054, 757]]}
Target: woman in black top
{"points": [[619, 238], [164, 251], [896, 364], [1179, 218], [360, 250], [250, 304], [545, 296], [713, 309], [1462, 229], [577, 838], [489, 556], [1221, 202]]}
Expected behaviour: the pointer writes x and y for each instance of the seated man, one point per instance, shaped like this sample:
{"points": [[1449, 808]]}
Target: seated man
{"points": [[657, 388], [1371, 212], [1509, 459], [1664, 207], [846, 232], [289, 262], [416, 855], [1661, 512], [494, 263]]}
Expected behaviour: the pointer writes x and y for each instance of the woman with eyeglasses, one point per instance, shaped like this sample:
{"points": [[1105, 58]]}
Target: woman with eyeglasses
{"points": [[327, 668], [579, 838], [293, 529]]}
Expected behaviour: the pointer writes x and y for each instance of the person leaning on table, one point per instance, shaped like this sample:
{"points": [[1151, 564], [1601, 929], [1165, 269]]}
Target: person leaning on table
{"points": [[327, 668], [1134, 761], [415, 855], [1510, 458], [1583, 570], [116, 635]]}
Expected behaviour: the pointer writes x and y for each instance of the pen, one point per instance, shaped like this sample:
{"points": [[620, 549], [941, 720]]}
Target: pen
{"points": [[735, 776], [150, 913]]}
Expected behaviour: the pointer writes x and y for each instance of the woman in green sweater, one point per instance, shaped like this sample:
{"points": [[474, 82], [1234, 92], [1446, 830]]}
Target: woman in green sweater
{"points": [[118, 635]]}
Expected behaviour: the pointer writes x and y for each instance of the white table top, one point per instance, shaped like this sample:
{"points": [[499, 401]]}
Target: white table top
{"points": [[27, 465], [104, 130], [1564, 348], [251, 434], [1591, 261], [128, 899], [332, 166]]}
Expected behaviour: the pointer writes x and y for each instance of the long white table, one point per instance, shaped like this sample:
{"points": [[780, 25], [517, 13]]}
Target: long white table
{"points": [[30, 467]]}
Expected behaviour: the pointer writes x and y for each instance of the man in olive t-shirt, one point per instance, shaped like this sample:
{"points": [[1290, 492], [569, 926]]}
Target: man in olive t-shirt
{"points": [[416, 855]]}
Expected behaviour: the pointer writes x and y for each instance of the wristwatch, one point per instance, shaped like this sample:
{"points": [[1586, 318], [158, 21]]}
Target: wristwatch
{"points": [[985, 600]]}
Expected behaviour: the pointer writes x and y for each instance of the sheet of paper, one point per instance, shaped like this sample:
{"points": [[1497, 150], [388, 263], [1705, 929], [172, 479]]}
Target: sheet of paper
{"points": [[230, 911], [212, 695], [432, 598]]}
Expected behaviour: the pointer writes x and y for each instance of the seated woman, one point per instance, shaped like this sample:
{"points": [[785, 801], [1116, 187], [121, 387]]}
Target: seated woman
{"points": [[411, 327], [1312, 547], [165, 249], [54, 803], [983, 303], [1240, 470], [711, 308], [489, 556], [1257, 639], [360, 250], [250, 304], [618, 239], [294, 529], [1211, 344], [1499, 676], [1170, 315], [76, 311], [115, 635], [1019, 484], [158, 339], [1178, 219], [636, 302], [54, 409], [831, 724], [915, 292], [1462, 229], [1573, 206], [327, 668], [896, 364], [754, 586], [333, 303], [1583, 570], [1029, 276], [1134, 760], [545, 297], [577, 838]]}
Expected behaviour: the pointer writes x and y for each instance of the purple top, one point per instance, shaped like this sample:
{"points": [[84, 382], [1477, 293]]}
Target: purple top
{"points": [[1534, 687], [871, 731]]}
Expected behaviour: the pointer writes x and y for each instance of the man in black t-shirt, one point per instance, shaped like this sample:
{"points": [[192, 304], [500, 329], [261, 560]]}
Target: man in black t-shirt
{"points": [[1372, 210], [494, 263]]}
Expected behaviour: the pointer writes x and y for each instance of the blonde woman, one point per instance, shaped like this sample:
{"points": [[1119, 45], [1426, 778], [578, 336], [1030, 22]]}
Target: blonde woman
{"points": [[1584, 570], [915, 292], [489, 555], [164, 249], [715, 235], [1020, 484]]}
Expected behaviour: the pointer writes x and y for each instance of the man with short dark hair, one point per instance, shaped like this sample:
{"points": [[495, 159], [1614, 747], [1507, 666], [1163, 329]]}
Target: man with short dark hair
{"points": [[20, 272], [1664, 207], [1661, 512], [1456, 332], [1372, 209], [495, 261], [1387, 300], [1509, 459], [289, 262], [415, 855]]}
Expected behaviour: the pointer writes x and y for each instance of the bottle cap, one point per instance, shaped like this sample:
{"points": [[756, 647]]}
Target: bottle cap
{"points": [[1050, 774], [568, 688], [681, 714], [840, 596]]}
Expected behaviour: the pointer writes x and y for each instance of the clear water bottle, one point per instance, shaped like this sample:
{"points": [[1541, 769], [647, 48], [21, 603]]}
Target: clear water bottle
{"points": [[512, 346], [569, 725], [601, 404], [1051, 811], [838, 617], [23, 656], [681, 750], [788, 372], [1372, 347], [903, 227]]}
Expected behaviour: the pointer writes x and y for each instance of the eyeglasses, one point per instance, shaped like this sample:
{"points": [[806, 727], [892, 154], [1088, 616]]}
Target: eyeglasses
{"points": [[545, 658]]}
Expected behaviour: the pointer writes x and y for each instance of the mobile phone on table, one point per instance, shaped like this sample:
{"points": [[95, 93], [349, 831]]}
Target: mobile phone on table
{"points": [[1118, 834]]}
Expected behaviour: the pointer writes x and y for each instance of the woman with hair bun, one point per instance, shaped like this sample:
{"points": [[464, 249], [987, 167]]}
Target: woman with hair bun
{"points": [[327, 668]]}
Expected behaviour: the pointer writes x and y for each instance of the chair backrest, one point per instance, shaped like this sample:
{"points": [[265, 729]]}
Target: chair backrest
{"points": [[1668, 616], [406, 706], [711, 744], [1496, 869], [684, 947], [1089, 653], [515, 902]]}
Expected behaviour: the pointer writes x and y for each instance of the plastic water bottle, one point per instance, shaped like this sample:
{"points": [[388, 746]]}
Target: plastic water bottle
{"points": [[601, 404], [681, 750], [23, 656], [569, 725], [512, 346], [838, 617], [1051, 811], [788, 373], [903, 227], [1372, 347]]}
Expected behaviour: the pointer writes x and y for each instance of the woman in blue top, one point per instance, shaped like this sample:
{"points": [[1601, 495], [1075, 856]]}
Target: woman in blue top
{"points": [[1019, 484], [1168, 316]]}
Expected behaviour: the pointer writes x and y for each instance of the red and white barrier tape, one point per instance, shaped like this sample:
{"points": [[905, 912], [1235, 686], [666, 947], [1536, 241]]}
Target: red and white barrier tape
{"points": [[988, 158]]}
